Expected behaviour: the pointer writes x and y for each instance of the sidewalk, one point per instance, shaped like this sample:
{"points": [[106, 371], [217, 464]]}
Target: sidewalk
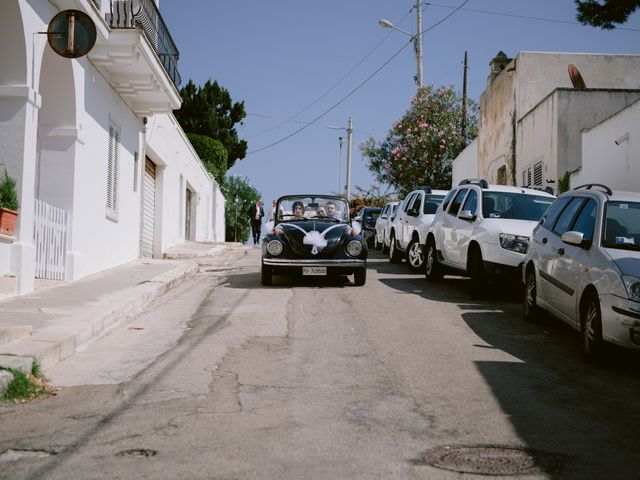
{"points": [[54, 320]]}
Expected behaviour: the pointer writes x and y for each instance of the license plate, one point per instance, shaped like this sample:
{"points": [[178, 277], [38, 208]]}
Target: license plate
{"points": [[314, 270]]}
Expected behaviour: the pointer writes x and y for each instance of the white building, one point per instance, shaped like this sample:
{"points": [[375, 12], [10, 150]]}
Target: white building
{"points": [[531, 116], [94, 146]]}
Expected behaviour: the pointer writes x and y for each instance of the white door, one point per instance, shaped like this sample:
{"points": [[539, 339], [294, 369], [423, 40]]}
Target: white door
{"points": [[148, 209]]}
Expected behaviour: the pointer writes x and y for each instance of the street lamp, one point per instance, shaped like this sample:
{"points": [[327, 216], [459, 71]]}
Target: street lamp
{"points": [[417, 39], [349, 131], [235, 224]]}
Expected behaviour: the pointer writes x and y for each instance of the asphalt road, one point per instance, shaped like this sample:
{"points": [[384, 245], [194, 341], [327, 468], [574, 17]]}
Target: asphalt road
{"points": [[224, 379]]}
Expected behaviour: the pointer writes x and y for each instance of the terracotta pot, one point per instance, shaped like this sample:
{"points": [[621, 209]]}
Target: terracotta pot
{"points": [[7, 221]]}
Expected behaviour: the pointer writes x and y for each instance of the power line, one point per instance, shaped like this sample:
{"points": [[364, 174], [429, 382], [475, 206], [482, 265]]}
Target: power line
{"points": [[337, 103], [524, 17], [360, 85], [288, 120]]}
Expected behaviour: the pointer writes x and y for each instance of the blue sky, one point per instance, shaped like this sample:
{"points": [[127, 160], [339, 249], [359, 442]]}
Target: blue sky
{"points": [[284, 56]]}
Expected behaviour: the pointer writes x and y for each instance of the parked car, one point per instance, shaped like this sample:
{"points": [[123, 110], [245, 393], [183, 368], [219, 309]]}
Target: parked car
{"points": [[367, 217], [482, 231], [405, 236], [381, 237], [583, 266], [312, 236]]}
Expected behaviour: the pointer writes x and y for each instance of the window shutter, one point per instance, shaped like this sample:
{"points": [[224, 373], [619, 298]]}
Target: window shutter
{"points": [[113, 169], [537, 174]]}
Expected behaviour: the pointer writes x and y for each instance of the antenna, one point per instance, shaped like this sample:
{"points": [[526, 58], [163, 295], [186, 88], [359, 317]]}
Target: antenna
{"points": [[576, 78]]}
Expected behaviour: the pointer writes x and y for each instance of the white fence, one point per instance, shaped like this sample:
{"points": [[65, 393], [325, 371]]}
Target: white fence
{"points": [[50, 238]]}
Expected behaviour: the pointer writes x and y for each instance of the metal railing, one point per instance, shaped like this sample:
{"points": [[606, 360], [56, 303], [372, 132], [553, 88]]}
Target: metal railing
{"points": [[144, 14]]}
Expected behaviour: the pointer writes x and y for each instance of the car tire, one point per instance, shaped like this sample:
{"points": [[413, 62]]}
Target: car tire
{"points": [[415, 256], [267, 275], [360, 277], [530, 308], [478, 288], [385, 248], [432, 268], [394, 254], [591, 326]]}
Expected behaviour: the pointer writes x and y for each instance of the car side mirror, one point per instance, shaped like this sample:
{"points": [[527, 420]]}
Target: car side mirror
{"points": [[467, 215], [383, 216], [573, 238]]}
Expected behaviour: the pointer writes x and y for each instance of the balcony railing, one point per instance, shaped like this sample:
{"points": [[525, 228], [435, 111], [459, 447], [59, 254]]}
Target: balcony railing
{"points": [[144, 14]]}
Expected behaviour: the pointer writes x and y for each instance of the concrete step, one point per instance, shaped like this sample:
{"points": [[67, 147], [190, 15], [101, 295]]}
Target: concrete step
{"points": [[9, 333]]}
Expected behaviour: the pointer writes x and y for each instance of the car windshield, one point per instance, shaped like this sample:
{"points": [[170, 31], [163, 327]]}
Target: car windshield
{"points": [[622, 226], [303, 208], [517, 206]]}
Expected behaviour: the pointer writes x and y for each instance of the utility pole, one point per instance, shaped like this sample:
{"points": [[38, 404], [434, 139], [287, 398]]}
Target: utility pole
{"points": [[418, 43], [464, 99], [340, 185], [349, 136]]}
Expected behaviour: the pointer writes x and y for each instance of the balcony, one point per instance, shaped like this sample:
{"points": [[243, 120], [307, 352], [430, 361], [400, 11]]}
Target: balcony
{"points": [[139, 57]]}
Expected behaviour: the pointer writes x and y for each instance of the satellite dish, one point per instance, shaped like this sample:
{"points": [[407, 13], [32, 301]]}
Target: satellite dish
{"points": [[71, 33], [576, 78]]}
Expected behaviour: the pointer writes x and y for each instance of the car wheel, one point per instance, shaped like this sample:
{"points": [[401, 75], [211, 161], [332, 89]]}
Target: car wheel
{"points": [[267, 275], [478, 277], [360, 277], [394, 254], [591, 320], [433, 269], [415, 256], [529, 300]]}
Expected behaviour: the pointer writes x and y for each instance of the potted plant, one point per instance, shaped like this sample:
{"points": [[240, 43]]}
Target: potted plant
{"points": [[8, 205]]}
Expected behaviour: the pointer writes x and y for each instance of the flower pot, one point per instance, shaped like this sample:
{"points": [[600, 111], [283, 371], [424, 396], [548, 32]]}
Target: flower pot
{"points": [[7, 221]]}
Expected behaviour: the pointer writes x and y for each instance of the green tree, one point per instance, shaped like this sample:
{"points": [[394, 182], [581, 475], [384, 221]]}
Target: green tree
{"points": [[605, 14], [371, 197], [240, 194], [212, 153], [421, 146], [209, 111]]}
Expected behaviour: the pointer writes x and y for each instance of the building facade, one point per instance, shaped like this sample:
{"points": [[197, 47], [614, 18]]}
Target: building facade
{"points": [[104, 172]]}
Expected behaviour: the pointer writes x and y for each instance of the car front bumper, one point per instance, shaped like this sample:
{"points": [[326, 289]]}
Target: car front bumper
{"points": [[620, 321], [334, 267]]}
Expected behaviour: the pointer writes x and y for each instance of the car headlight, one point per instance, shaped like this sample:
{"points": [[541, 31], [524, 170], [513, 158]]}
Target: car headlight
{"points": [[354, 248], [633, 287], [515, 243], [274, 247]]}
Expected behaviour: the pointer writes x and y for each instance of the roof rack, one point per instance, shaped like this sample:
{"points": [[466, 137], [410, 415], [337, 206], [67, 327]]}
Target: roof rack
{"points": [[546, 189], [475, 181], [589, 185]]}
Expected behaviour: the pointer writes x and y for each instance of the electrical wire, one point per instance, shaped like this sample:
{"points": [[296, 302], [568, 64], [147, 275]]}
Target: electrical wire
{"points": [[338, 102], [359, 86], [524, 17], [288, 120]]}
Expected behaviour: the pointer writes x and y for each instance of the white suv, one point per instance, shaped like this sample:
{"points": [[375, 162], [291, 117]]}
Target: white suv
{"points": [[482, 231], [383, 222], [583, 266], [405, 237]]}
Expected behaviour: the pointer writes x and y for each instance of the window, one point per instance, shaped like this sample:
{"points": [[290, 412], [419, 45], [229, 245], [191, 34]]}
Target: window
{"points": [[554, 212], [408, 203], [415, 208], [532, 175], [431, 203], [471, 203], [447, 199], [586, 220], [567, 216], [113, 171], [457, 201]]}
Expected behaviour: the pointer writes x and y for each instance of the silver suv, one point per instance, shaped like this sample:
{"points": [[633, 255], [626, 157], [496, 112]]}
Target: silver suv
{"points": [[482, 231], [405, 235], [583, 266]]}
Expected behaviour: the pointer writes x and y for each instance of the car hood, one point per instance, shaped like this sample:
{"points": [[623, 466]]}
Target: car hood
{"points": [[313, 237], [508, 225], [627, 261]]}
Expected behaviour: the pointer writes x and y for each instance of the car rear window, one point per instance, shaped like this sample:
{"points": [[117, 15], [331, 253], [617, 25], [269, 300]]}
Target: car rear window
{"points": [[516, 206], [431, 203]]}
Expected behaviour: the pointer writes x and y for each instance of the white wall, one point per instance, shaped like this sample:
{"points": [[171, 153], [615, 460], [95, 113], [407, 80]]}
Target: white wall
{"points": [[466, 164], [168, 147], [617, 165]]}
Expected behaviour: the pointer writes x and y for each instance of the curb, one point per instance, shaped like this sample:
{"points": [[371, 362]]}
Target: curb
{"points": [[52, 344]]}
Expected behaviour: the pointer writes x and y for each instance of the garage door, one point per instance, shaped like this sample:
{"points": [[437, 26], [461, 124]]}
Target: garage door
{"points": [[148, 208]]}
